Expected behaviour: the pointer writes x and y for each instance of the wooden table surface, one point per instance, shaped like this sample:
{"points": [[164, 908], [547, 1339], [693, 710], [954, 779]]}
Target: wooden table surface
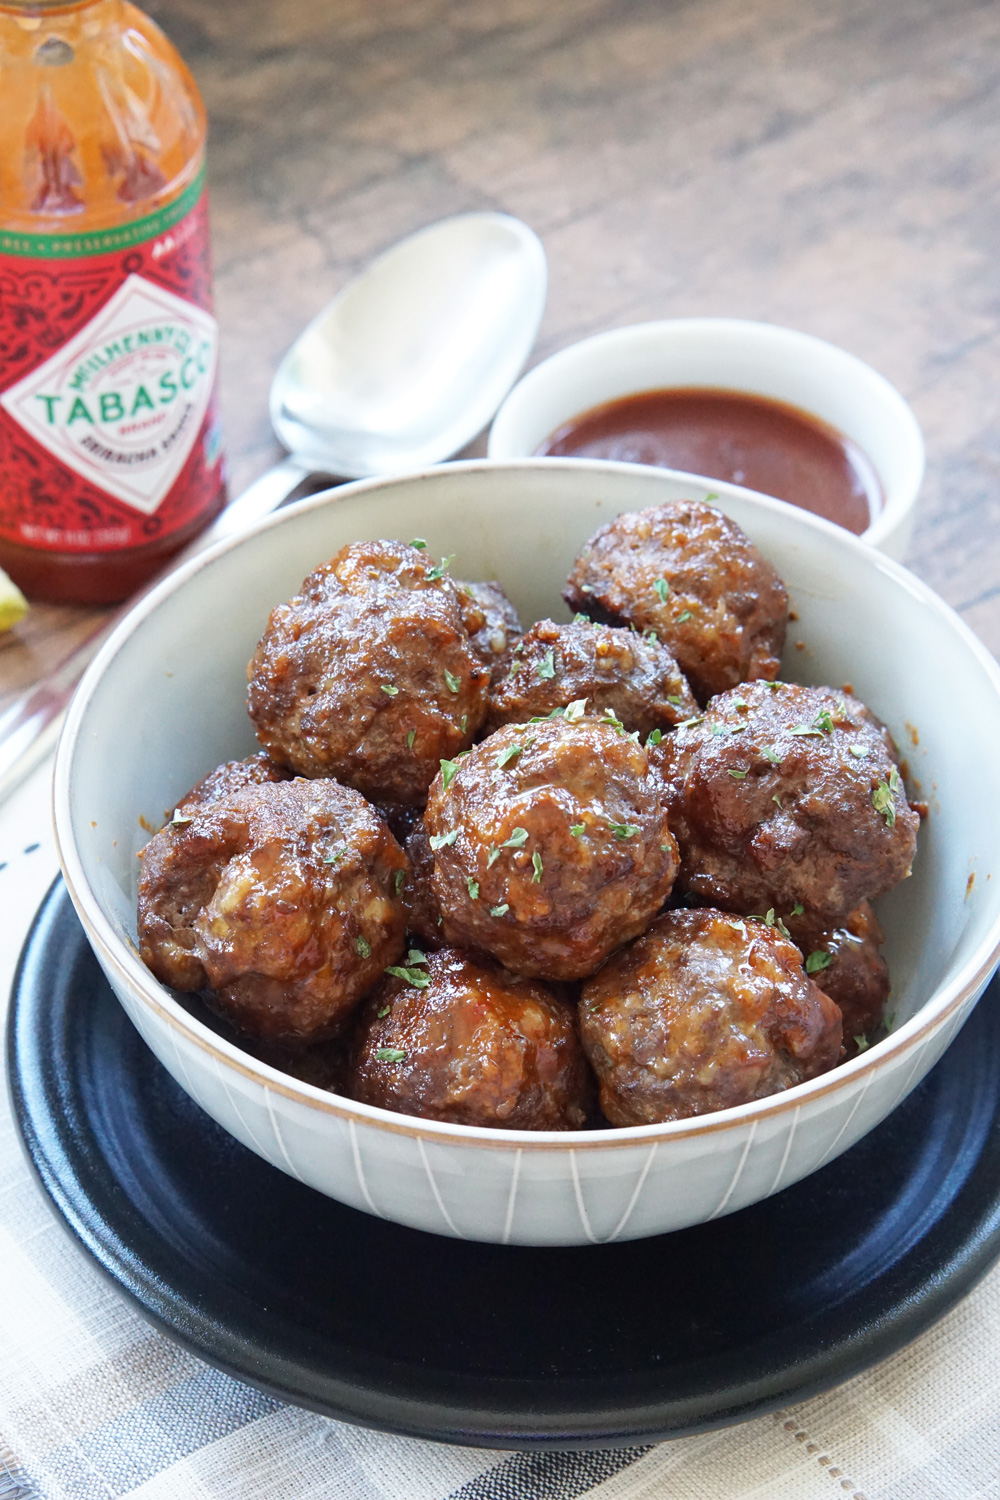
{"points": [[830, 167]]}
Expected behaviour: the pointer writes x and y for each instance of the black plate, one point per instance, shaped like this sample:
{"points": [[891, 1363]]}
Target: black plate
{"points": [[482, 1344]]}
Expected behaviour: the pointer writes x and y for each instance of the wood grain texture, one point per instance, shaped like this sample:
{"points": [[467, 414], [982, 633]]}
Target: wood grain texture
{"points": [[833, 168]]}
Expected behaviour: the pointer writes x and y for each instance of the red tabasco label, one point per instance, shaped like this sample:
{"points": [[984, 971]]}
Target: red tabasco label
{"points": [[109, 434]]}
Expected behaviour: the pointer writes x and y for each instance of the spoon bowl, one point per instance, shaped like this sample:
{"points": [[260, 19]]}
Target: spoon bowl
{"points": [[411, 360]]}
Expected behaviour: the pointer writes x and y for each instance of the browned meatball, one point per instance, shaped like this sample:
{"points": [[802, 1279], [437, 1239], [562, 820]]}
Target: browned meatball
{"points": [[490, 618], [692, 575], [844, 960], [423, 915], [233, 776], [607, 671], [551, 846], [703, 1012], [369, 674], [783, 795], [280, 899], [462, 1040]]}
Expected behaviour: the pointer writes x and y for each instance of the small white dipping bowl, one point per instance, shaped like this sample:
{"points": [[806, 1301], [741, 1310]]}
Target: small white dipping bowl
{"points": [[730, 354], [163, 704]]}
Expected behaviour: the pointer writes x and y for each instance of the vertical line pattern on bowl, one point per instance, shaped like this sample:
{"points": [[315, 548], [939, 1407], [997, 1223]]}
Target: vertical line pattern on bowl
{"points": [[581, 1207], [352, 1131], [650, 1154], [188, 1087], [278, 1137], [508, 1222], [737, 1174], [785, 1154], [862, 1091], [435, 1190], [234, 1106]]}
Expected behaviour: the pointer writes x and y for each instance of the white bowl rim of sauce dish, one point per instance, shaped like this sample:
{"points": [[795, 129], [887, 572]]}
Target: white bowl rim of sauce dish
{"points": [[731, 354], [155, 669]]}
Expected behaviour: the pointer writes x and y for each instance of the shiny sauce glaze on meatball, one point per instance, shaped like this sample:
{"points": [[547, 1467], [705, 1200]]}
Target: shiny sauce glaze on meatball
{"points": [[632, 676], [844, 959], [423, 915], [233, 776], [282, 900], [782, 795], [551, 846], [689, 573], [490, 618], [705, 1011], [457, 1038], [369, 674]]}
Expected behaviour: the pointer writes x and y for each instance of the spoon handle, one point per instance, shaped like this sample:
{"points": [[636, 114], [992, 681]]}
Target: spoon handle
{"points": [[31, 722]]}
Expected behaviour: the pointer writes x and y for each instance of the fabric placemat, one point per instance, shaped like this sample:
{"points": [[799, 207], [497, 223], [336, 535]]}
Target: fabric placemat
{"points": [[95, 1404]]}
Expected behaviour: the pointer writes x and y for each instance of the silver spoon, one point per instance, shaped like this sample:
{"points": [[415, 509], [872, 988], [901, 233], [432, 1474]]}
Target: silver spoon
{"points": [[402, 369]]}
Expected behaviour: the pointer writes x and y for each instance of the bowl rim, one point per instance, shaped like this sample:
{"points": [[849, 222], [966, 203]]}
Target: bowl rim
{"points": [[894, 511], [123, 958]]}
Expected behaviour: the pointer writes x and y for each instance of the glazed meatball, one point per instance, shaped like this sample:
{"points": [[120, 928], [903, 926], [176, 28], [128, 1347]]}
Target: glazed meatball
{"points": [[783, 795], [703, 1012], [692, 575], [423, 915], [551, 846], [618, 672], [281, 900], [490, 618], [369, 674], [460, 1039], [844, 960], [233, 776]]}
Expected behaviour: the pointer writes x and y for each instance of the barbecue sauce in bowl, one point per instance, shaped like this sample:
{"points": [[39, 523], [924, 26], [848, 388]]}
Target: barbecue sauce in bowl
{"points": [[749, 440]]}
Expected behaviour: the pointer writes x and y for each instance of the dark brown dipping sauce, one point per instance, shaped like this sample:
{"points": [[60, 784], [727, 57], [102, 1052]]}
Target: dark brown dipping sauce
{"points": [[748, 440]]}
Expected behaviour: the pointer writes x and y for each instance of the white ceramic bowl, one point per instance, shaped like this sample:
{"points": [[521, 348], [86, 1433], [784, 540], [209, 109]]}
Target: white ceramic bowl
{"points": [[735, 355], [164, 703]]}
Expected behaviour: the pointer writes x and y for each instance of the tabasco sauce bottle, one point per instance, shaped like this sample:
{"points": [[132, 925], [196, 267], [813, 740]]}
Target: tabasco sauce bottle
{"points": [[110, 447]]}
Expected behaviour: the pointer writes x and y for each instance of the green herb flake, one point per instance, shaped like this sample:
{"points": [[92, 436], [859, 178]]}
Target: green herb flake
{"points": [[492, 857], [802, 731], [547, 666], [443, 840], [690, 723], [894, 780], [798, 909], [536, 865], [390, 689], [473, 887], [883, 803], [410, 738], [651, 636], [769, 753], [782, 928], [611, 718], [685, 614], [439, 569], [823, 722], [777, 799], [654, 737], [818, 960], [454, 683], [499, 911], [860, 752], [381, 1014], [769, 918], [363, 947], [449, 770], [737, 775], [579, 619], [400, 880], [331, 859], [517, 840], [862, 1043], [624, 830], [419, 543], [416, 956], [463, 723], [661, 588], [576, 829], [675, 699], [390, 1054], [181, 820], [506, 756], [575, 711], [739, 703], [416, 977]]}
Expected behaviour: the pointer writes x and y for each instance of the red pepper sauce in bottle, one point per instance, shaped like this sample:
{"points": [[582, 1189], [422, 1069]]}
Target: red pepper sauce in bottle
{"points": [[110, 444]]}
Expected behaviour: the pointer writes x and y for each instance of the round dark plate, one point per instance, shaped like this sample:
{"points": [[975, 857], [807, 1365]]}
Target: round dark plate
{"points": [[483, 1344]]}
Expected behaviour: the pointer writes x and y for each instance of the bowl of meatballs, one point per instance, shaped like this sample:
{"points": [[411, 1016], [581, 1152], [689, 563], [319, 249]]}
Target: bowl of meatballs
{"points": [[543, 852]]}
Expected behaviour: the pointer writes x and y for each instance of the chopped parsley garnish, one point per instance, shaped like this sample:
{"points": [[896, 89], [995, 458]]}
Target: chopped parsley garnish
{"points": [[331, 859], [492, 857], [769, 753], [547, 666], [454, 683], [443, 840], [181, 820], [419, 543], [576, 829], [410, 738], [416, 977], [363, 947], [802, 730], [400, 880], [610, 717], [883, 803], [737, 775], [575, 711], [798, 909], [440, 568], [499, 911], [859, 751], [383, 1012], [416, 956], [579, 619], [651, 636], [685, 614], [823, 722], [536, 865], [506, 756], [624, 830], [449, 770], [390, 1054], [689, 723], [390, 689], [675, 699], [654, 737], [894, 780], [661, 588], [473, 886], [777, 799], [861, 1042], [463, 723], [517, 840], [739, 703], [818, 960]]}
